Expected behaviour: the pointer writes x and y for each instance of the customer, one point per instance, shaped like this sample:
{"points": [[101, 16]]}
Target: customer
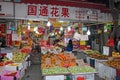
{"points": [[69, 47], [118, 44]]}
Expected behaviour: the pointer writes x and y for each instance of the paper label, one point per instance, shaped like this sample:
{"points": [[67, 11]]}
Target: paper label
{"points": [[47, 61], [60, 77], [82, 42], [9, 55], [105, 50]]}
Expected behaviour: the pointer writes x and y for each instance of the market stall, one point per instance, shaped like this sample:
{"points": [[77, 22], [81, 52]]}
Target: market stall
{"points": [[65, 64], [14, 65]]}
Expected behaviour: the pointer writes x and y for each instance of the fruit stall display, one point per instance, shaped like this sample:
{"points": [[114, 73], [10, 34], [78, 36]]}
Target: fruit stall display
{"points": [[99, 56], [88, 52], [115, 54], [95, 54], [113, 63], [18, 57], [14, 65], [81, 69], [25, 50], [55, 70], [63, 64], [62, 60]]}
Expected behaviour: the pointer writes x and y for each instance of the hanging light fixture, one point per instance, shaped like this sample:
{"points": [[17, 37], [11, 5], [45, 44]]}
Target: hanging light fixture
{"points": [[61, 28], [28, 26], [88, 32], [48, 24], [69, 28], [53, 34]]}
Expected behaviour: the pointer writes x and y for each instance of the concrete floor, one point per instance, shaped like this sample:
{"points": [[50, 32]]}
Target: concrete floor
{"points": [[32, 73]]}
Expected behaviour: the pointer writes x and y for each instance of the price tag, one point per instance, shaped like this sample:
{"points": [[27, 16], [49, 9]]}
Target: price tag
{"points": [[76, 36], [47, 61], [60, 77], [72, 56], [9, 56], [82, 42], [80, 61], [57, 61], [105, 50], [84, 37], [16, 37]]}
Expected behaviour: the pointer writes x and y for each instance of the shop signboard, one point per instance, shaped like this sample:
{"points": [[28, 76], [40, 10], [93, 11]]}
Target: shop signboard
{"points": [[39, 11], [6, 10], [42, 11]]}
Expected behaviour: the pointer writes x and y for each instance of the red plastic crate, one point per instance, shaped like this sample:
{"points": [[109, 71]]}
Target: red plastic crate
{"points": [[80, 78]]}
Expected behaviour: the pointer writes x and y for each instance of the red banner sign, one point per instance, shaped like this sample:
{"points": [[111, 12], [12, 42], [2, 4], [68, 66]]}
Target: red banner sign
{"points": [[9, 40]]}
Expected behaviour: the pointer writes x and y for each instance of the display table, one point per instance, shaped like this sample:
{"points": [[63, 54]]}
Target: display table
{"points": [[4, 77], [105, 71], [20, 68]]}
